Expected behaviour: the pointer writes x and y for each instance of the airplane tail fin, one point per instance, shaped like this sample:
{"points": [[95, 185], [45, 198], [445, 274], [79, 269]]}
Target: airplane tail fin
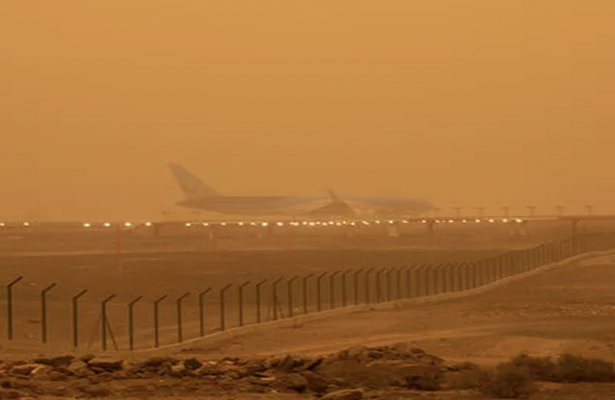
{"points": [[334, 197], [192, 186]]}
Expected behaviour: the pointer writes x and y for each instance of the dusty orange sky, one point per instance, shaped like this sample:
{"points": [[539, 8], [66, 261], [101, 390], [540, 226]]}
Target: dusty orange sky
{"points": [[459, 102]]}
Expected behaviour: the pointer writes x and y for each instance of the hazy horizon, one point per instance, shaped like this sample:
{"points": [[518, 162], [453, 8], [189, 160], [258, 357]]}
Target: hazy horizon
{"points": [[460, 103]]}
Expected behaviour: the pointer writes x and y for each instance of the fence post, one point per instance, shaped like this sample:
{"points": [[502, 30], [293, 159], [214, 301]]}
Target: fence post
{"points": [[519, 257], [500, 267], [332, 288], [543, 255], [180, 335], [445, 274], [344, 288], [377, 288], [409, 271], [398, 273], [319, 290], [503, 265], [368, 286], [131, 325], [463, 276], [416, 284], [305, 292], [427, 272], [202, 311], [290, 295], [533, 258], [105, 322], [419, 280], [458, 274], [389, 284], [430, 279], [356, 286], [491, 271], [491, 267], [156, 320], [512, 263], [446, 278], [223, 306], [477, 271], [44, 311], [437, 279], [9, 302], [274, 293], [258, 300], [454, 286], [75, 304], [240, 301]]}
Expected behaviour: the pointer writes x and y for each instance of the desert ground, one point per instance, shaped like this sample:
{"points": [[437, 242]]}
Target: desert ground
{"points": [[567, 307], [136, 263]]}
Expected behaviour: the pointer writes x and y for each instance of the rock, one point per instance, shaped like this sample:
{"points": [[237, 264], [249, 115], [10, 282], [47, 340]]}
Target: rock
{"points": [[375, 353], [433, 360], [427, 382], [178, 371], [78, 368], [272, 362], [87, 358], [9, 394], [57, 376], [315, 364], [257, 389], [254, 367], [346, 394], [192, 364], [265, 381], [355, 352], [290, 363], [316, 383], [295, 382], [41, 370], [7, 383], [155, 362], [106, 364], [209, 369], [159, 365], [96, 391], [62, 361], [24, 369]]}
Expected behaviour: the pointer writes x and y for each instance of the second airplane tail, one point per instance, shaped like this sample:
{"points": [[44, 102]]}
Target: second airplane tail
{"points": [[192, 186]]}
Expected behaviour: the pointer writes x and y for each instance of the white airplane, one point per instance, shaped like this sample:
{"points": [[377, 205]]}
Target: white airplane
{"points": [[200, 196]]}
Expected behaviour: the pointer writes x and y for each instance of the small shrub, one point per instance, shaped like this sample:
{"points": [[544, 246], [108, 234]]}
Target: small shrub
{"points": [[427, 382], [465, 379], [541, 368], [572, 368], [508, 381]]}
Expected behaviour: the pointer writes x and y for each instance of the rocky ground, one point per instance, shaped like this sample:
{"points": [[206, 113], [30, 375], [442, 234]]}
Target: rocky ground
{"points": [[349, 374], [392, 372]]}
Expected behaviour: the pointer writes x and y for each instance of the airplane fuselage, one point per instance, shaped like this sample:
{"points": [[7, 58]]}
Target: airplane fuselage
{"points": [[200, 196], [314, 206]]}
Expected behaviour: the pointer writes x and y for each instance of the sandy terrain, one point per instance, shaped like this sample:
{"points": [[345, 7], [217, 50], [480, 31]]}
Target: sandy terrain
{"points": [[184, 260], [567, 308]]}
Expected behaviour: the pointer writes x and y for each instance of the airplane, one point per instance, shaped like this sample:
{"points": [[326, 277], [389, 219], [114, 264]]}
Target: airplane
{"points": [[200, 196]]}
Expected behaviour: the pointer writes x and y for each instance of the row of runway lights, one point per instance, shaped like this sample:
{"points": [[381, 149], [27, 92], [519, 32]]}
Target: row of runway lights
{"points": [[292, 223], [317, 223]]}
